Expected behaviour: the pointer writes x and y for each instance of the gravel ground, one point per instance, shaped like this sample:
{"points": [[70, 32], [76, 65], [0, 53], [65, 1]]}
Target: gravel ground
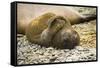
{"points": [[29, 53], [33, 54]]}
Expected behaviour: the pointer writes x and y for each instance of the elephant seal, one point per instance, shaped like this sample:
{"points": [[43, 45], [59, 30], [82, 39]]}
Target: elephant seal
{"points": [[57, 33], [27, 13]]}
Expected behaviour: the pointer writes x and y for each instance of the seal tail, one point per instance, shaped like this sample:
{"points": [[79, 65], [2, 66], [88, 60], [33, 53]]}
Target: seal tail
{"points": [[88, 17]]}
